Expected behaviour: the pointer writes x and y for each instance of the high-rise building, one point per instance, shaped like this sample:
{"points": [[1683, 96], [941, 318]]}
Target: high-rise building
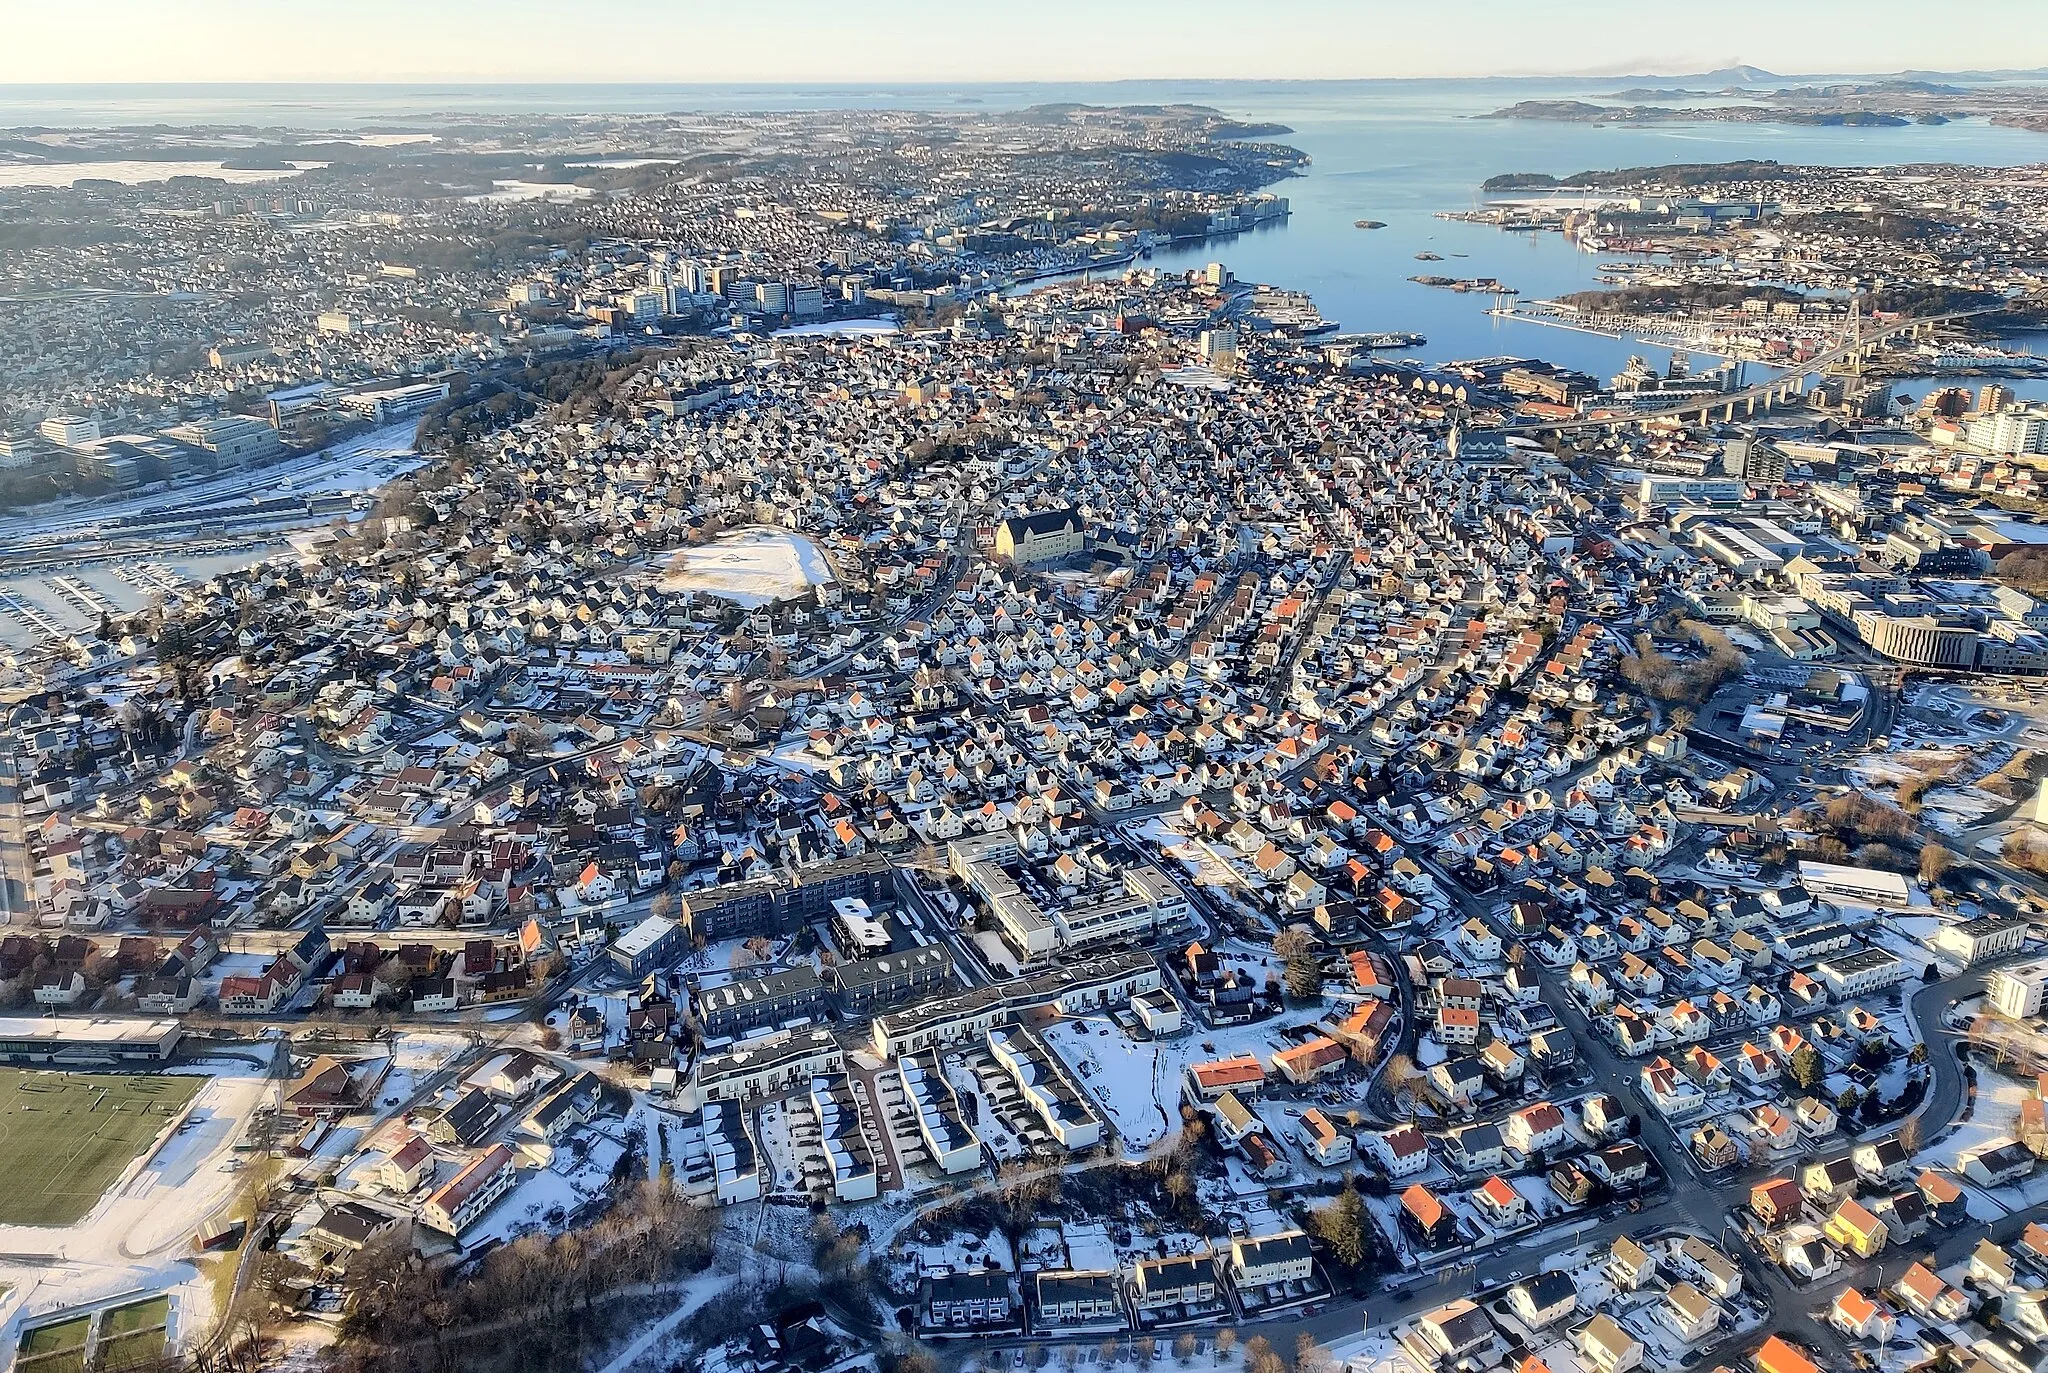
{"points": [[722, 278], [1763, 464], [806, 301], [2010, 431], [772, 297], [1992, 397], [1219, 348]]}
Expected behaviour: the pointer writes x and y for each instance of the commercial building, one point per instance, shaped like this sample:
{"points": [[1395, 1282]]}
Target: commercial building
{"points": [[1916, 630], [383, 405], [69, 431], [1833, 880], [87, 1042], [233, 440], [1658, 491], [653, 942]]}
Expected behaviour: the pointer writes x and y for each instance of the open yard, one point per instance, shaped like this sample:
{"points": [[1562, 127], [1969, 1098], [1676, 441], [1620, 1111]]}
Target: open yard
{"points": [[751, 567], [65, 1137]]}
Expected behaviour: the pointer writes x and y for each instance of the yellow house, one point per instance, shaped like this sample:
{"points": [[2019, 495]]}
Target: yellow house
{"points": [[1856, 1230], [1044, 537]]}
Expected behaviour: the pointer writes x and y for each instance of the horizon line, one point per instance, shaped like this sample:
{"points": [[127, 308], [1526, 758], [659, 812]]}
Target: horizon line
{"points": [[874, 81]]}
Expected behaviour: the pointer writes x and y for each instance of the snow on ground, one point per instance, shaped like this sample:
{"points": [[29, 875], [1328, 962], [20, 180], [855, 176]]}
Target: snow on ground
{"points": [[1121, 1075], [542, 1198], [1957, 808], [1993, 1115], [1137, 1082], [1205, 865], [1993, 1118], [868, 327], [1890, 769], [751, 567], [1203, 378]]}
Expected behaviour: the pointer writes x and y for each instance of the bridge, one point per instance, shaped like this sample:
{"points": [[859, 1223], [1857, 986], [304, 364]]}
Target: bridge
{"points": [[1864, 342]]}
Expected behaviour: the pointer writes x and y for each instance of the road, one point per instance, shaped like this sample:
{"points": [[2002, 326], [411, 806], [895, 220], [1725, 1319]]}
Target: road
{"points": [[17, 869]]}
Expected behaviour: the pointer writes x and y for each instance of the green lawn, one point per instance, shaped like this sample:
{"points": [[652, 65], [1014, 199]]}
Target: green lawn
{"points": [[152, 1314], [65, 1137], [128, 1351], [69, 1361], [49, 1339]]}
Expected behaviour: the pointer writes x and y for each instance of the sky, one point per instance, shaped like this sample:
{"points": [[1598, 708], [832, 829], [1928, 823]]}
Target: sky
{"points": [[951, 41]]}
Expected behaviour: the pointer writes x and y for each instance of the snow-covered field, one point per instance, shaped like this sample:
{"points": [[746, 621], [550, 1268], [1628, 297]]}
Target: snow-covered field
{"points": [[751, 567], [1202, 378], [136, 173], [866, 327], [1137, 1082]]}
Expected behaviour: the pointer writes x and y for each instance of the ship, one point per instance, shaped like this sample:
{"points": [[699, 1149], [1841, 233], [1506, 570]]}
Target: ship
{"points": [[1368, 224], [1387, 340]]}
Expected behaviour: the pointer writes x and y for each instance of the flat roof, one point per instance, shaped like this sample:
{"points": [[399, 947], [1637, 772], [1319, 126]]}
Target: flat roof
{"points": [[645, 935], [82, 1030]]}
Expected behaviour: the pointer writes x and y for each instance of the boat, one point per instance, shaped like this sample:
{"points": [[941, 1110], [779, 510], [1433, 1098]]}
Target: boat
{"points": [[1368, 224], [1429, 257]]}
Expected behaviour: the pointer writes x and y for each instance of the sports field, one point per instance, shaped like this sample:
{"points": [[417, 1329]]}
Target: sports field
{"points": [[65, 1137]]}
